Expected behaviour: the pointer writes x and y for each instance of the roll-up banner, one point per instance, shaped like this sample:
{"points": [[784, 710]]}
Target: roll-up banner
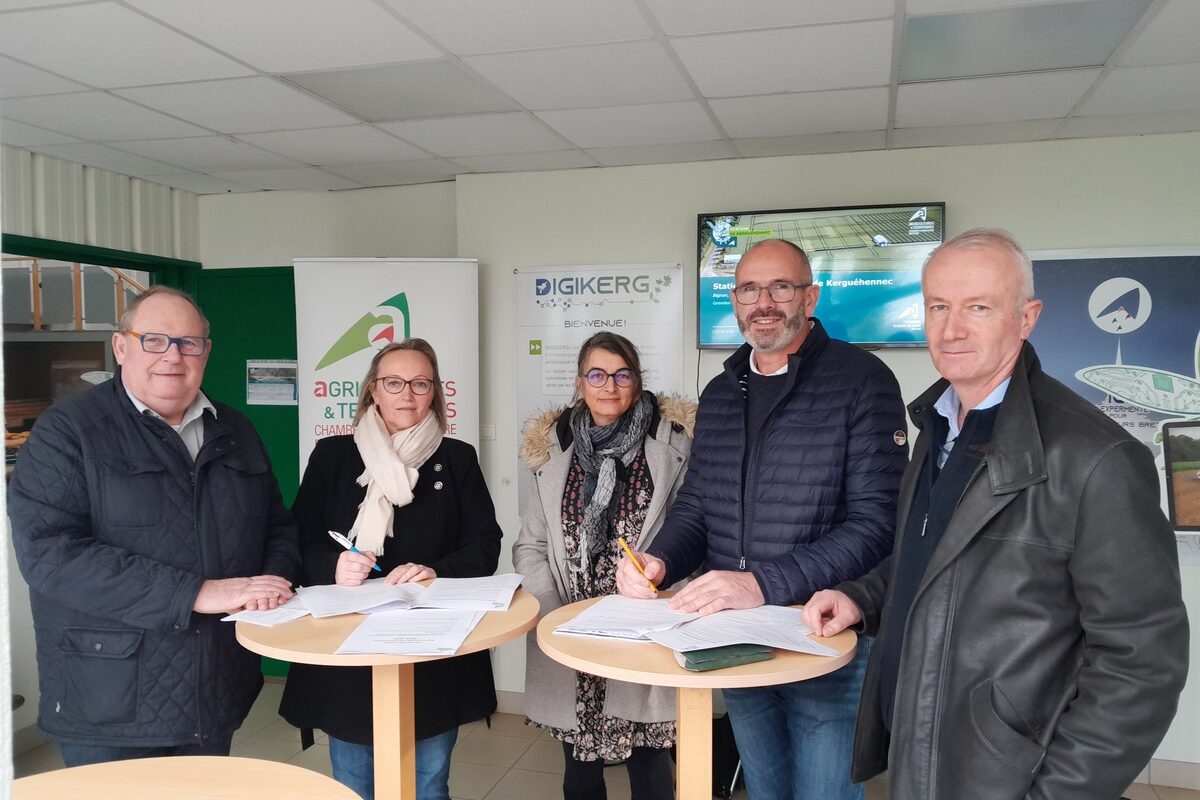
{"points": [[347, 309]]}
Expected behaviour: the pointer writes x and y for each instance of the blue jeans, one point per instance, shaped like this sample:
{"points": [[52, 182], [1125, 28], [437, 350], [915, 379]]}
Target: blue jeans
{"points": [[796, 739], [76, 755], [354, 766]]}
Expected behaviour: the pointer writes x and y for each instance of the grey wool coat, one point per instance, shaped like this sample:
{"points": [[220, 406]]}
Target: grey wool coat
{"points": [[540, 554]]}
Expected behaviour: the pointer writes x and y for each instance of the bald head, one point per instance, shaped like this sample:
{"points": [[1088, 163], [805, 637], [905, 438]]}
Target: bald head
{"points": [[779, 251]]}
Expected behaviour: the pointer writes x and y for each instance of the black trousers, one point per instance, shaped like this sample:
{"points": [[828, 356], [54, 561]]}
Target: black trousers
{"points": [[651, 775]]}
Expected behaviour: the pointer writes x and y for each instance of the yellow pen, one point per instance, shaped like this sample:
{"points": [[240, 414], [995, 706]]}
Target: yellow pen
{"points": [[625, 546]]}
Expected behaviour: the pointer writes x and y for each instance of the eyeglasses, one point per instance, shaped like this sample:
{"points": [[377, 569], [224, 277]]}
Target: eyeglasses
{"points": [[394, 385], [598, 378], [780, 292], [161, 343]]}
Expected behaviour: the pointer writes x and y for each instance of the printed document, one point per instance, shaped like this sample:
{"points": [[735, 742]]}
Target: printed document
{"points": [[331, 600], [292, 609], [625, 618], [417, 632], [493, 593], [770, 626]]}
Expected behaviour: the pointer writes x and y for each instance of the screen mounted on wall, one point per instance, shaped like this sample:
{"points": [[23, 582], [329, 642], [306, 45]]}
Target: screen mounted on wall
{"points": [[1181, 452], [866, 259]]}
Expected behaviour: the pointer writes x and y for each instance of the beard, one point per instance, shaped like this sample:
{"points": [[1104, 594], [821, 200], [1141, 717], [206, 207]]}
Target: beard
{"points": [[768, 341]]}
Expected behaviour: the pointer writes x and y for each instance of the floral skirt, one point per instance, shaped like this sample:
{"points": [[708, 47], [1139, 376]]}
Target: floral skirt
{"points": [[600, 736]]}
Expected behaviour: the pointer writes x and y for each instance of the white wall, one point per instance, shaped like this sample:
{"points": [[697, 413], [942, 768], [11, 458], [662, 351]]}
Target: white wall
{"points": [[1052, 195]]}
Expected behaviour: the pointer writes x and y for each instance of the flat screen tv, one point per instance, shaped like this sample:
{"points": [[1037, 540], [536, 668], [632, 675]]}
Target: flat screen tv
{"points": [[1181, 452], [866, 259]]}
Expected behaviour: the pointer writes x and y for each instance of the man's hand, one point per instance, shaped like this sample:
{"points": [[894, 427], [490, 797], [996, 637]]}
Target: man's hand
{"points": [[353, 568], [632, 583], [717, 591], [233, 594], [829, 612], [409, 573]]}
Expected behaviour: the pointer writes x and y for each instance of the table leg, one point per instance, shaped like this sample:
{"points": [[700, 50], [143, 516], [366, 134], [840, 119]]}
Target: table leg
{"points": [[395, 737], [693, 756]]}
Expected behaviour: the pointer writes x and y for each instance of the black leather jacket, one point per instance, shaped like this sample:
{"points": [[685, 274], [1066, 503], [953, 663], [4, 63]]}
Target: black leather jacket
{"points": [[1048, 642]]}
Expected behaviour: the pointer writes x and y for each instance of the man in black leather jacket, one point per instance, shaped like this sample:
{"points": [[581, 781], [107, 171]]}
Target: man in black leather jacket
{"points": [[141, 513], [1032, 637]]}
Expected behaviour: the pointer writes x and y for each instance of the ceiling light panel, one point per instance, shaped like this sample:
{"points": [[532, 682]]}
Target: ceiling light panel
{"points": [[1004, 98], [789, 59], [486, 26], [681, 17], [1142, 90], [800, 114], [348, 145], [207, 154], [18, 80], [95, 115], [1169, 38], [482, 135], [241, 105], [406, 91], [634, 125], [106, 45], [586, 77], [1011, 40], [304, 34]]}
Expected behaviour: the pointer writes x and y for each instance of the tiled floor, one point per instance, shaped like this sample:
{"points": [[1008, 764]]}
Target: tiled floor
{"points": [[509, 761]]}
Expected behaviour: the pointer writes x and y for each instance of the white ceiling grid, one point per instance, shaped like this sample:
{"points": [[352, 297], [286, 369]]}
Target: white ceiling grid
{"points": [[230, 95]]}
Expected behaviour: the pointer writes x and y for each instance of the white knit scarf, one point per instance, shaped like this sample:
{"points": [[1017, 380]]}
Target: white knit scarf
{"points": [[390, 475]]}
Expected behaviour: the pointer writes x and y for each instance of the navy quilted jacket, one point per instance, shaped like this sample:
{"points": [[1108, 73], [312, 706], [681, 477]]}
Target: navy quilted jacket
{"points": [[115, 530], [819, 504]]}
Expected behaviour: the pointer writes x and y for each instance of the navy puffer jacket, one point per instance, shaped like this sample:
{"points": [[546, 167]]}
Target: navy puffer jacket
{"points": [[819, 504], [115, 529]]}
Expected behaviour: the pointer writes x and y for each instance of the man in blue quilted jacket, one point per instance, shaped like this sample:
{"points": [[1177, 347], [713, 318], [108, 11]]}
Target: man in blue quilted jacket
{"points": [[800, 445], [141, 513]]}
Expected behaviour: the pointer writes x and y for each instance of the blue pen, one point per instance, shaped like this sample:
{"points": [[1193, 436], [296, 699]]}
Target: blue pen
{"points": [[346, 543]]}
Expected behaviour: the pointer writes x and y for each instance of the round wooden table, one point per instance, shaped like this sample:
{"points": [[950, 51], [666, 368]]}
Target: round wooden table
{"points": [[315, 641], [182, 778], [652, 664]]}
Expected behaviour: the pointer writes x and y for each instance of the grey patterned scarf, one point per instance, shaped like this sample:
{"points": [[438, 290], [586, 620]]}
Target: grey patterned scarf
{"points": [[598, 450]]}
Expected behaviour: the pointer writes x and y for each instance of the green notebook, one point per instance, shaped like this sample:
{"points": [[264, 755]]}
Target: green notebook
{"points": [[720, 657]]}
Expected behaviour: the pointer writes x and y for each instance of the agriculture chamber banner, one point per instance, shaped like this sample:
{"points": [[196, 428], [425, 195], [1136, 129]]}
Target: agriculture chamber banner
{"points": [[347, 309]]}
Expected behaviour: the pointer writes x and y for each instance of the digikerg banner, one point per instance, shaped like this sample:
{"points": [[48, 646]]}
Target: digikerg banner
{"points": [[560, 307], [347, 309]]}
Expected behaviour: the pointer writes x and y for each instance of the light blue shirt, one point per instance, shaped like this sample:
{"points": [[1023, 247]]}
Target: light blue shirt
{"points": [[191, 428], [949, 404]]}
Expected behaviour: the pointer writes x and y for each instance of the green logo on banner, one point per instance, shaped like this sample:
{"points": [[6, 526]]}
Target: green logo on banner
{"points": [[388, 322], [535, 347]]}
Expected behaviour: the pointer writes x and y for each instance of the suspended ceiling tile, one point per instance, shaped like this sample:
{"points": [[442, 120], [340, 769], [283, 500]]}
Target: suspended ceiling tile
{"points": [[296, 179], [107, 45], [681, 17], [343, 145], [586, 77], [1005, 98], [19, 134], [480, 135], [661, 153], [1011, 40], [661, 123], [399, 173], [18, 80], [801, 114], [527, 162], [97, 155], [991, 133], [303, 34], [240, 105], [1143, 90], [789, 59], [207, 154], [1131, 124], [199, 183], [921, 7], [96, 115], [1170, 38], [848, 142], [10, 5], [487, 26], [406, 91]]}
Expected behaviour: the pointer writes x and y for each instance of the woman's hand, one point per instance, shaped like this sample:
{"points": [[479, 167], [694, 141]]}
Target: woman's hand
{"points": [[353, 568], [409, 573]]}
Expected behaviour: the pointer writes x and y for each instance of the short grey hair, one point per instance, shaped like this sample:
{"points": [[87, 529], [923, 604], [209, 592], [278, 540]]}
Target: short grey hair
{"points": [[126, 323], [992, 237]]}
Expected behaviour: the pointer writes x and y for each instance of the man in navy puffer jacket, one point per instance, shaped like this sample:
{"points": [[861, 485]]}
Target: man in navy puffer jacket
{"points": [[800, 445]]}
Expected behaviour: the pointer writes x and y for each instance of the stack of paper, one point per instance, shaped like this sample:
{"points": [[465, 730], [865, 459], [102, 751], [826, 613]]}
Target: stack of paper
{"points": [[292, 609], [770, 626], [418, 632], [623, 618], [331, 600]]}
